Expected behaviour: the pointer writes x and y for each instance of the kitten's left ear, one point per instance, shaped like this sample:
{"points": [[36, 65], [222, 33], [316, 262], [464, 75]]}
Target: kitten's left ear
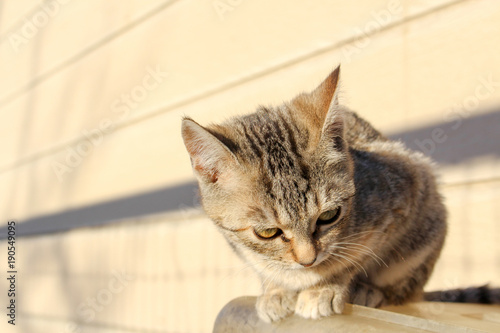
{"points": [[210, 157]]}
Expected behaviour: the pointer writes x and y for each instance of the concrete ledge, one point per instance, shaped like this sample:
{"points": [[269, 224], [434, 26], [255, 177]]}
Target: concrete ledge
{"points": [[240, 316]]}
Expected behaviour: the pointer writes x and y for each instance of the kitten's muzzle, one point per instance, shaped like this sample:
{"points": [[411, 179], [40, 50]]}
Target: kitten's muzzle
{"points": [[304, 251]]}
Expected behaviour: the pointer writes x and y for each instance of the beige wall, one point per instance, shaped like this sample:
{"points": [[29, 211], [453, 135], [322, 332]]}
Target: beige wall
{"points": [[91, 98]]}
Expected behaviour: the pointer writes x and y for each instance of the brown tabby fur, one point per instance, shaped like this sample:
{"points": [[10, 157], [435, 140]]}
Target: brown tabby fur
{"points": [[282, 167]]}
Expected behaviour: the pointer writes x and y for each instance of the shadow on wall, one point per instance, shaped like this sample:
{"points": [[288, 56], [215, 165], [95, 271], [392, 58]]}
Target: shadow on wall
{"points": [[459, 141], [449, 143], [170, 199]]}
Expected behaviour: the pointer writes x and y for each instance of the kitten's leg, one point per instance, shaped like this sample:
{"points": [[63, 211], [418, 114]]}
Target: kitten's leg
{"points": [[408, 287], [322, 301], [367, 295], [276, 304], [402, 280]]}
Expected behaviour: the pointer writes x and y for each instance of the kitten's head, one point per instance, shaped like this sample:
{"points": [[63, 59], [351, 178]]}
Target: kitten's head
{"points": [[278, 182]]}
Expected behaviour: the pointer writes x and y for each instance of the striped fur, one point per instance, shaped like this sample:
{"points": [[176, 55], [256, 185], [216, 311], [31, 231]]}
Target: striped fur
{"points": [[280, 168], [483, 295]]}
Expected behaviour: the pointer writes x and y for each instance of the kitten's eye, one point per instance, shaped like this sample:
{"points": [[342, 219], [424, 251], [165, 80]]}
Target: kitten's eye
{"points": [[328, 217], [268, 233]]}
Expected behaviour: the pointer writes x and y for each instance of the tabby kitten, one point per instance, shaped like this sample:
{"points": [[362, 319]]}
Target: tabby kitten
{"points": [[325, 208]]}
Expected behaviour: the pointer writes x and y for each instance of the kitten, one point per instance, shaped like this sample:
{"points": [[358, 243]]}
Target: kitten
{"points": [[325, 208]]}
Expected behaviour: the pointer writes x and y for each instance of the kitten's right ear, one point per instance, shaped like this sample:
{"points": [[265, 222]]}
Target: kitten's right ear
{"points": [[209, 156], [325, 95], [320, 110]]}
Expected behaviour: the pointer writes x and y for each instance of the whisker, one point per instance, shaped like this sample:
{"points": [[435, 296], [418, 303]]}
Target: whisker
{"points": [[369, 254], [268, 278], [268, 281], [332, 257], [359, 234], [354, 259], [367, 250], [354, 263]]}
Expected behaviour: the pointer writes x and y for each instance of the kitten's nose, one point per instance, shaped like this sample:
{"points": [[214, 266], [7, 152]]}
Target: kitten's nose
{"points": [[304, 250], [309, 264]]}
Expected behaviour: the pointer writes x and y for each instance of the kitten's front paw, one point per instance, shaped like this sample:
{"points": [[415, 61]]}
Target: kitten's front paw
{"points": [[321, 302], [276, 305], [367, 295]]}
